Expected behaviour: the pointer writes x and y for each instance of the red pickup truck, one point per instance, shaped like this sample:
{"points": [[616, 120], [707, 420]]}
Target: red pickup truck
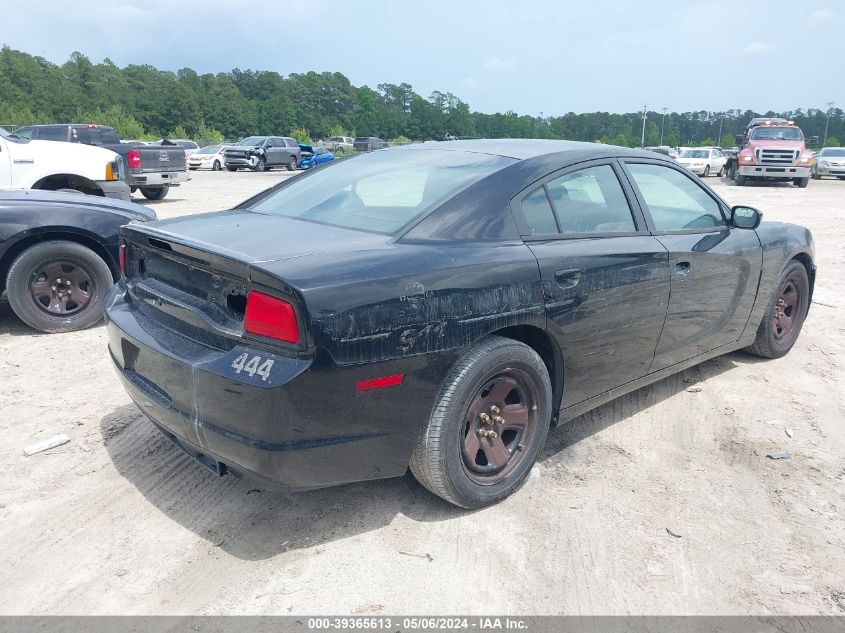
{"points": [[771, 149]]}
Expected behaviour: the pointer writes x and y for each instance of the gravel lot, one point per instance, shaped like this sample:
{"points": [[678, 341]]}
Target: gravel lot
{"points": [[119, 521]]}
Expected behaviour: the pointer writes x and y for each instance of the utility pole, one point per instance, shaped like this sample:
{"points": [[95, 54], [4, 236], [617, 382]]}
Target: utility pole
{"points": [[827, 122], [663, 125], [645, 116], [721, 117]]}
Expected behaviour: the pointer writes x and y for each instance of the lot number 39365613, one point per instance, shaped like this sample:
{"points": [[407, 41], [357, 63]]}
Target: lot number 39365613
{"points": [[252, 365]]}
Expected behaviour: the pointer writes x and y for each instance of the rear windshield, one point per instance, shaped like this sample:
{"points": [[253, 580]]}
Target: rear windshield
{"points": [[838, 151], [776, 134], [379, 192]]}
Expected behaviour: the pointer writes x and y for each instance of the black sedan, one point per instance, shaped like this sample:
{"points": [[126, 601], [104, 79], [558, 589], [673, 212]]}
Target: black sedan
{"points": [[59, 255], [440, 306]]}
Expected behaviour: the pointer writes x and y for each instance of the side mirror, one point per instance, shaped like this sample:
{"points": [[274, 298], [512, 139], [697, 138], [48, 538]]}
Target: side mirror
{"points": [[743, 217]]}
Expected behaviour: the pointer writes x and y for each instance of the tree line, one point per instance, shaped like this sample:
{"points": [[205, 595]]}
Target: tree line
{"points": [[142, 102]]}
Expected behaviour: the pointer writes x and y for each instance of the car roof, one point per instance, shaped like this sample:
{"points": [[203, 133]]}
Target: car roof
{"points": [[522, 149]]}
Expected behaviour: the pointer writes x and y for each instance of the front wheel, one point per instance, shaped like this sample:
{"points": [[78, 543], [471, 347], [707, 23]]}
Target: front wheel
{"points": [[154, 193], [802, 182], [739, 180], [487, 426], [292, 163], [815, 173], [216, 166], [230, 168], [260, 165], [785, 314], [58, 286], [706, 171]]}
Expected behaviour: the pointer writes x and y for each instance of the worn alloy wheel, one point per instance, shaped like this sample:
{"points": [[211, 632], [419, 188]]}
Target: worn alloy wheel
{"points": [[497, 426], [58, 286], [785, 315], [292, 163], [488, 424]]}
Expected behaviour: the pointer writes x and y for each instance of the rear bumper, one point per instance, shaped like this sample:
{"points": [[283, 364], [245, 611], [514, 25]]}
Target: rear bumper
{"points": [[306, 428], [114, 189], [158, 179], [769, 171]]}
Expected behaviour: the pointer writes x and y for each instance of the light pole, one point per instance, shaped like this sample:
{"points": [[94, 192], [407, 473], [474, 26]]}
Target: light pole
{"points": [[645, 116], [827, 122], [663, 125]]}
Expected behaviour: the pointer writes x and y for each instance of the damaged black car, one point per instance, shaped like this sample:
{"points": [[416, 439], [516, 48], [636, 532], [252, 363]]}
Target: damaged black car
{"points": [[439, 307]]}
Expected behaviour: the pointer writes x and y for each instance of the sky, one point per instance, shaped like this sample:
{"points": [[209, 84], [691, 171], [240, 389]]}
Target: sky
{"points": [[540, 57]]}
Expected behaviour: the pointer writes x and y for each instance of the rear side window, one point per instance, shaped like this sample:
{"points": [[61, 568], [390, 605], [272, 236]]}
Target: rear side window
{"points": [[538, 213], [675, 202], [591, 200]]}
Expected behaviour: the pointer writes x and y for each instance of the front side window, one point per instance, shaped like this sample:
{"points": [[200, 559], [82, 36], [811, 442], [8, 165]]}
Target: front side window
{"points": [[379, 192], [675, 201], [24, 133], [591, 200]]}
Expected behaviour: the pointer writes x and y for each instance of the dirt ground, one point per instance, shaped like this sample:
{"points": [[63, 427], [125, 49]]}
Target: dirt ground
{"points": [[119, 521]]}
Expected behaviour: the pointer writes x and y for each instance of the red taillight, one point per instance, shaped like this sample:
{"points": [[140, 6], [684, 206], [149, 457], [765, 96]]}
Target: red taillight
{"points": [[271, 317], [134, 158], [380, 383], [121, 258]]}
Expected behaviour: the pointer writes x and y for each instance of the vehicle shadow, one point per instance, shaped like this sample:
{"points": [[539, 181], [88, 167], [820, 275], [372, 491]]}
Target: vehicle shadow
{"points": [[255, 524], [11, 324]]}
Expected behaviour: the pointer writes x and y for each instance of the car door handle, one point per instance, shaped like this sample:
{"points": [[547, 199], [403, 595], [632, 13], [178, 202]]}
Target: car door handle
{"points": [[568, 278], [682, 268]]}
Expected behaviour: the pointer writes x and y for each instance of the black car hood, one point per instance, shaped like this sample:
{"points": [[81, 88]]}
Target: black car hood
{"points": [[255, 237], [129, 210]]}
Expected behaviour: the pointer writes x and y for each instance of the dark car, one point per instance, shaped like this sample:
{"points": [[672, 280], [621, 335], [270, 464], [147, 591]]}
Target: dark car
{"points": [[59, 255], [150, 168], [368, 143], [440, 306], [261, 153]]}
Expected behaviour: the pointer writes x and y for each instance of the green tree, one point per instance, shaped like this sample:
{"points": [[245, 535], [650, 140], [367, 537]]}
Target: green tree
{"points": [[831, 141]]}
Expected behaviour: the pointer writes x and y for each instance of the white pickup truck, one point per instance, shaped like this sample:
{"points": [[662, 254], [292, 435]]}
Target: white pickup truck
{"points": [[60, 167]]}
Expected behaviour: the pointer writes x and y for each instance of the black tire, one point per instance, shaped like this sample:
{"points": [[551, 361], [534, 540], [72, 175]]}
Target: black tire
{"points": [[292, 163], [193, 168], [215, 166], [841, 177], [815, 173], [802, 183], [739, 180], [772, 341], [26, 271], [721, 173], [260, 165], [438, 461], [230, 168], [706, 171], [154, 193]]}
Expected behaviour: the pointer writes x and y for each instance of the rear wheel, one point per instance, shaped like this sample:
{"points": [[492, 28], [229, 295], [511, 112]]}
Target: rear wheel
{"points": [[154, 193], [292, 163], [487, 426], [58, 286], [785, 315]]}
